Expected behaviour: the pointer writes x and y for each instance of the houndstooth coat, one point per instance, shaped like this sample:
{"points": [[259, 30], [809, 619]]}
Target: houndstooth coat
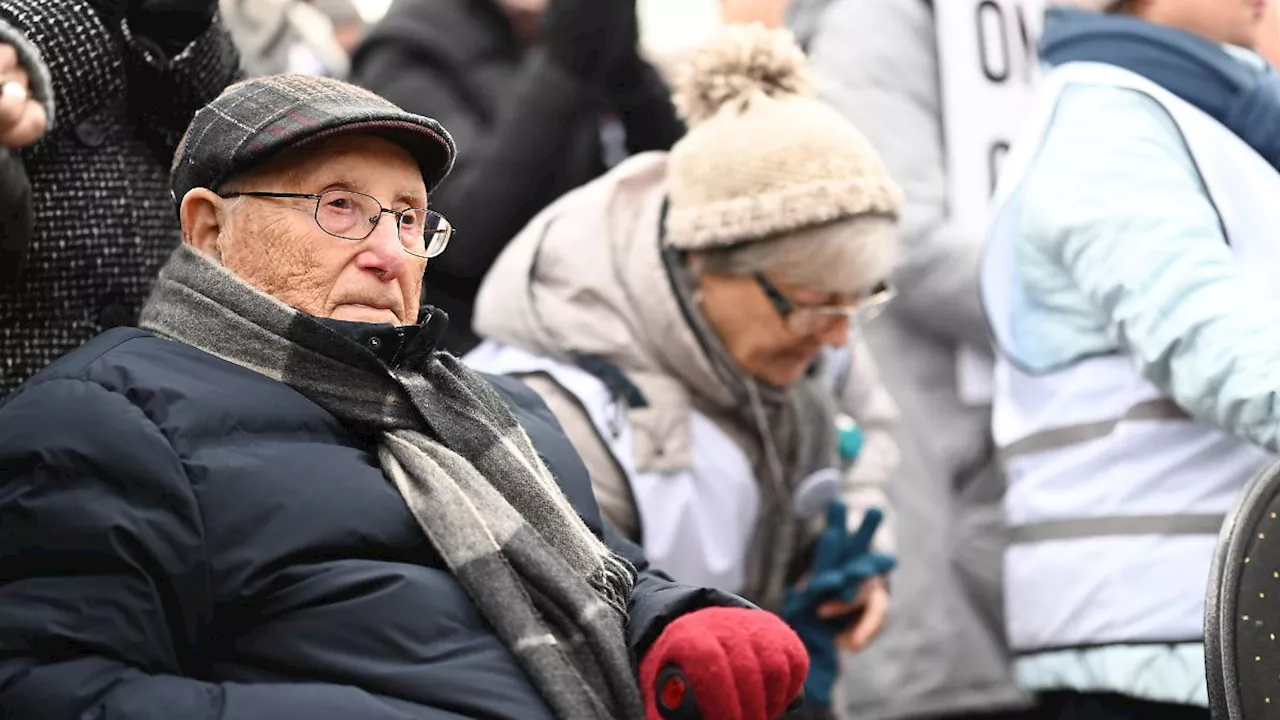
{"points": [[104, 218]]}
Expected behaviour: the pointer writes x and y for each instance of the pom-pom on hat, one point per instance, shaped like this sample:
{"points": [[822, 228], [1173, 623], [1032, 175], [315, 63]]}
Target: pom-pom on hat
{"points": [[763, 155]]}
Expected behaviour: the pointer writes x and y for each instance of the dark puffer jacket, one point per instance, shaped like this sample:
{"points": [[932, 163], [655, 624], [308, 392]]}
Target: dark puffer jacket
{"points": [[184, 538], [104, 221]]}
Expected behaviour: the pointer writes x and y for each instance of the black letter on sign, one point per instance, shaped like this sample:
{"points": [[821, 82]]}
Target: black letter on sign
{"points": [[995, 158], [989, 11], [1028, 43]]}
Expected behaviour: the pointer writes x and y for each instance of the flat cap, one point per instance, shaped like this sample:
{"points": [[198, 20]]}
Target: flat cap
{"points": [[253, 120]]}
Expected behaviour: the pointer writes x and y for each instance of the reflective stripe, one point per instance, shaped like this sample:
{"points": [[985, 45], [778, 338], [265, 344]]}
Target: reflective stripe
{"points": [[1076, 528], [1157, 409]]}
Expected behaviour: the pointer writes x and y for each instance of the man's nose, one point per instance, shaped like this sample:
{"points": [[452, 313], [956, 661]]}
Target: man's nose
{"points": [[383, 252]]}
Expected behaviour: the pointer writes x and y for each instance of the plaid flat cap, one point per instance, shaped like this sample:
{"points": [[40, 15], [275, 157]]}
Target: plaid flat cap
{"points": [[253, 120]]}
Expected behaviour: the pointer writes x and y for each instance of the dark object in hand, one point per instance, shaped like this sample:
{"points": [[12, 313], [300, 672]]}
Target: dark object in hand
{"points": [[16, 218], [171, 24], [589, 37]]}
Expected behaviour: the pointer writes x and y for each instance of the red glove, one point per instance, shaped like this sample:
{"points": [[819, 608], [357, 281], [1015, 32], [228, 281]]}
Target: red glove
{"points": [[733, 663]]}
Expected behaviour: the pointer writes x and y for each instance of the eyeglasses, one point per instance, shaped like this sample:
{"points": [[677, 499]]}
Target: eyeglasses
{"points": [[816, 319], [353, 216]]}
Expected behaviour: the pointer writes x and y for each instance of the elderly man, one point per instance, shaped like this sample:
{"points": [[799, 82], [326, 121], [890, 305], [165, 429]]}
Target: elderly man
{"points": [[278, 500]]}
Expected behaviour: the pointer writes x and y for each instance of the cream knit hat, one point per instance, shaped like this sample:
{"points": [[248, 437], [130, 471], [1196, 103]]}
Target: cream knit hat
{"points": [[763, 154]]}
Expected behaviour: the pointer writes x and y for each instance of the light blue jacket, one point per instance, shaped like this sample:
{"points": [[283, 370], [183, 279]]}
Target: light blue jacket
{"points": [[1120, 249]]}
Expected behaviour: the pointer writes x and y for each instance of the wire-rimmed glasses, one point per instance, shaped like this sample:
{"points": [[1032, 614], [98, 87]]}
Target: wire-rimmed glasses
{"points": [[351, 215]]}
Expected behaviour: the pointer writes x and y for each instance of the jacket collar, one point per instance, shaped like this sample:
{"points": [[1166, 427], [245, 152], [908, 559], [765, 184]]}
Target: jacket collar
{"points": [[1231, 85], [395, 345]]}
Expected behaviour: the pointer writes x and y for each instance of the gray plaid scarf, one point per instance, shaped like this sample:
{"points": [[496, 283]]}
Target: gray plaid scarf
{"points": [[554, 593]]}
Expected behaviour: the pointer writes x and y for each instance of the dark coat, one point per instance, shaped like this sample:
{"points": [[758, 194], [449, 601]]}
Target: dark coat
{"points": [[104, 219], [184, 538], [15, 217], [527, 130]]}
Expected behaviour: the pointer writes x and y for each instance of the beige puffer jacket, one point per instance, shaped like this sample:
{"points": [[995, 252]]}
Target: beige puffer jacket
{"points": [[586, 275]]}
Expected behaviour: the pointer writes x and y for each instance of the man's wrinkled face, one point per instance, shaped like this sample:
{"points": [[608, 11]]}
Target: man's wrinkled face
{"points": [[275, 244], [1236, 22]]}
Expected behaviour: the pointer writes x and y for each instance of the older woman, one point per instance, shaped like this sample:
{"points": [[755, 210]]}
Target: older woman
{"points": [[689, 318]]}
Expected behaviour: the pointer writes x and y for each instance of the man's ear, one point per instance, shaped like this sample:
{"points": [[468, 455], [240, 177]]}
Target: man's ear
{"points": [[204, 221]]}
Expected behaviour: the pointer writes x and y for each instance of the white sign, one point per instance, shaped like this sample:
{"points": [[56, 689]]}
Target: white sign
{"points": [[987, 58]]}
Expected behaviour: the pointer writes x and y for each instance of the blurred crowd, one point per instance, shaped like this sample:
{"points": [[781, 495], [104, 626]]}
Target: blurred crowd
{"points": [[976, 466]]}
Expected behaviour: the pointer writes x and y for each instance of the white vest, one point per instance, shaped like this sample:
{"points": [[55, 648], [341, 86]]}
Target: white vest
{"points": [[1115, 496], [697, 524]]}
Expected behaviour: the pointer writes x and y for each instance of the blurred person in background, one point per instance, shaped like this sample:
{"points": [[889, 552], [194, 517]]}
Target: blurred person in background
{"points": [[349, 26], [286, 36], [542, 95], [691, 318], [123, 78], [1129, 278], [943, 653]]}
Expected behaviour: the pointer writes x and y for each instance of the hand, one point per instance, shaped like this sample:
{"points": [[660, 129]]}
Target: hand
{"points": [[589, 37], [846, 577], [23, 120], [869, 610], [738, 663]]}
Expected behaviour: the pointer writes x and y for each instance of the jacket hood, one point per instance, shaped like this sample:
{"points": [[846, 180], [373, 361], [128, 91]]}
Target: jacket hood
{"points": [[586, 278], [1231, 85]]}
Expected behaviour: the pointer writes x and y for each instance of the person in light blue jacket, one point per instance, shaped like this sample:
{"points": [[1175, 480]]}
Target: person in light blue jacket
{"points": [[1126, 282]]}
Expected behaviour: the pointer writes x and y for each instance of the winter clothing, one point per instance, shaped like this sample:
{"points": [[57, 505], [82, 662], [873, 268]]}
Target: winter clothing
{"points": [[104, 222], [725, 478], [942, 651], [589, 38], [528, 128], [685, 452], [16, 211], [1234, 93], [170, 24], [842, 562], [255, 119], [15, 217], [763, 156], [463, 466], [1135, 389], [277, 37], [736, 663], [213, 541]]}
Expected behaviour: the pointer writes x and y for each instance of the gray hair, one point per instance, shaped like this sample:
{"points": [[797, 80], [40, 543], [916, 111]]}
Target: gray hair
{"points": [[846, 256]]}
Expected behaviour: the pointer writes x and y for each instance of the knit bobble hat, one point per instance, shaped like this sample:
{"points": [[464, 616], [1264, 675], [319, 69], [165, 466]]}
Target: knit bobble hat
{"points": [[763, 155]]}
